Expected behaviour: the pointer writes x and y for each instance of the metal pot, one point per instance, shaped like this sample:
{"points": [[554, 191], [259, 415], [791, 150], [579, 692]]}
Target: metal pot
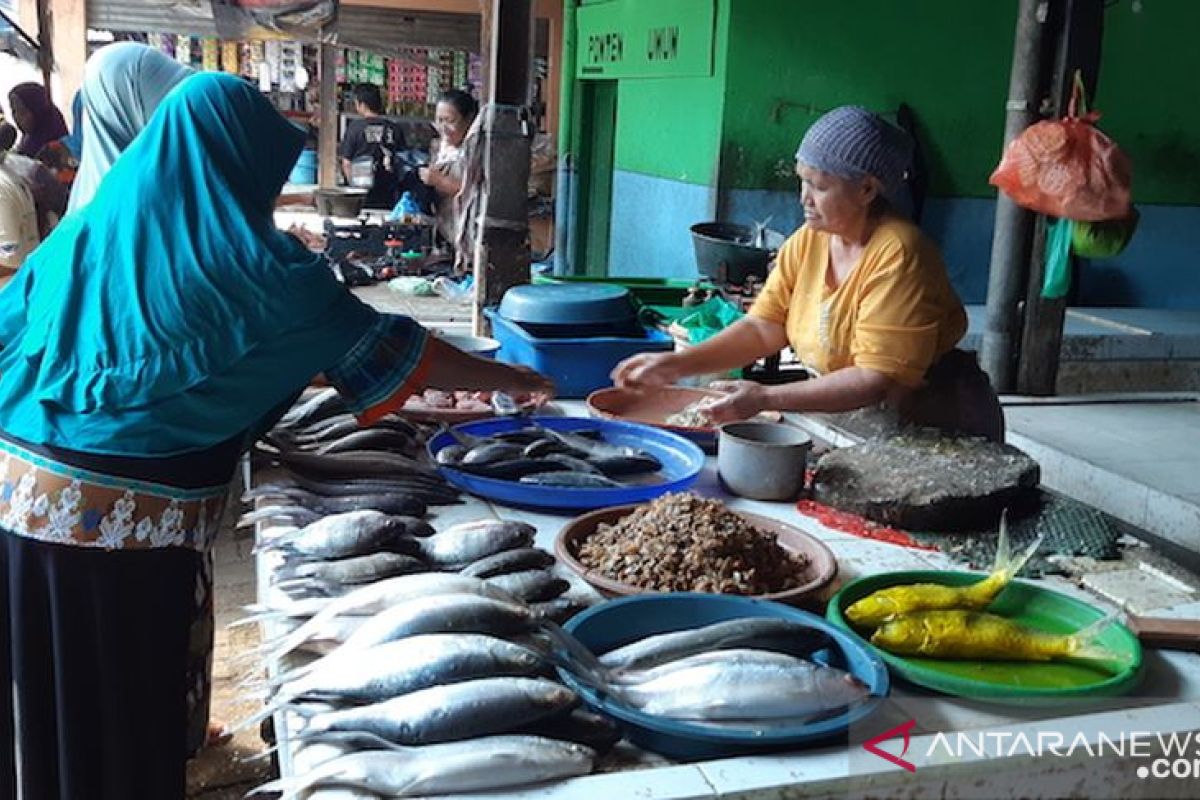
{"points": [[340, 202], [762, 460], [724, 252]]}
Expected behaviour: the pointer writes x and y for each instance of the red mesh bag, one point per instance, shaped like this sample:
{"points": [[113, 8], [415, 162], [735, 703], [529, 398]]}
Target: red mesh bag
{"points": [[1067, 168]]}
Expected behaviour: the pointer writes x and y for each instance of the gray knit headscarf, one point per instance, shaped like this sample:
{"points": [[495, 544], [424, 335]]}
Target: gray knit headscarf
{"points": [[852, 142]]}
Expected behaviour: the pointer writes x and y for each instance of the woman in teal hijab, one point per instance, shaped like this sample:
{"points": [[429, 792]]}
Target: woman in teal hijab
{"points": [[145, 343]]}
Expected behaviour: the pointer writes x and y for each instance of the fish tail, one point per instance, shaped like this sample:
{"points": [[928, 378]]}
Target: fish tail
{"points": [[278, 704], [252, 518], [575, 657], [1007, 565], [1086, 644]]}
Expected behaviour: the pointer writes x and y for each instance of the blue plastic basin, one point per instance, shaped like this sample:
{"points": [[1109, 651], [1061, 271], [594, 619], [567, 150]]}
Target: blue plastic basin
{"points": [[682, 462], [618, 622], [568, 304]]}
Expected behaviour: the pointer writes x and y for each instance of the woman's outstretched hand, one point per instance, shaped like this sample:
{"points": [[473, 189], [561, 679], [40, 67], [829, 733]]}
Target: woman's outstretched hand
{"points": [[646, 371], [740, 400]]}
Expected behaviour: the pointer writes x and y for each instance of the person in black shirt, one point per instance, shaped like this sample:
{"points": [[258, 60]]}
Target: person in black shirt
{"points": [[369, 149]]}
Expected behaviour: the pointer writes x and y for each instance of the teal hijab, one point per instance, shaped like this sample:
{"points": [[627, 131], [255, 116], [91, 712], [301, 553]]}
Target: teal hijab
{"points": [[172, 294]]}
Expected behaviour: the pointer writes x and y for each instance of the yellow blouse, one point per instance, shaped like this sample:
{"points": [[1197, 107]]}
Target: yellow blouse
{"points": [[895, 313]]}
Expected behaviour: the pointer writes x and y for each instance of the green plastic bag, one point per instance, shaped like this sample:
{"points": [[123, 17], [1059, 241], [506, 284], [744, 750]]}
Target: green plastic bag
{"points": [[1103, 239], [708, 319], [1057, 280]]}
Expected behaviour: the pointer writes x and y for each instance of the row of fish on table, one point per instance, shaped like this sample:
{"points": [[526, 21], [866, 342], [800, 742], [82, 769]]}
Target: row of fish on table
{"points": [[417, 661]]}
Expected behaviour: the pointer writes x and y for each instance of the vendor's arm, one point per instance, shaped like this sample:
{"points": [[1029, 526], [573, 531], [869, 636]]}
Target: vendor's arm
{"points": [[842, 390], [443, 183], [740, 344]]}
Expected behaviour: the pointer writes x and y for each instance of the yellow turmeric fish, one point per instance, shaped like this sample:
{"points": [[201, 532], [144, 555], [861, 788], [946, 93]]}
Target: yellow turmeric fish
{"points": [[878, 607], [979, 636]]}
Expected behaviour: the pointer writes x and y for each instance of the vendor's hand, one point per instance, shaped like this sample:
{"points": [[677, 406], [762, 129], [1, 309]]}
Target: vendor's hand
{"points": [[426, 175], [740, 400], [524, 380], [646, 371]]}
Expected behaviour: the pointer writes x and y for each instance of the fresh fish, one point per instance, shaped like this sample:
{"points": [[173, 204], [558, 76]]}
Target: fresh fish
{"points": [[975, 635], [356, 464], [572, 463], [521, 436], [763, 633], [350, 534], [743, 685], [322, 404], [463, 710], [570, 480], [582, 727], [878, 607], [372, 439], [588, 447], [451, 454], [558, 610], [531, 586], [631, 464], [445, 613], [384, 671], [486, 763], [491, 452], [512, 469], [352, 571], [306, 509], [341, 487], [543, 447], [522, 558], [471, 541], [373, 598]]}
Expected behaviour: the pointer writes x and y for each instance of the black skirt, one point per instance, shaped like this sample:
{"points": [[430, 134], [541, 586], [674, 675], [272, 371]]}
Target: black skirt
{"points": [[95, 646]]}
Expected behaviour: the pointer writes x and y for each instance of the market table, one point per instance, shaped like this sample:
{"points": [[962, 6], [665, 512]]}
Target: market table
{"points": [[958, 748]]}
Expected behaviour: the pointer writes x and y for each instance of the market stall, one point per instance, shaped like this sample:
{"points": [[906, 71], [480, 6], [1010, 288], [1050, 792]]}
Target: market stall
{"points": [[955, 747]]}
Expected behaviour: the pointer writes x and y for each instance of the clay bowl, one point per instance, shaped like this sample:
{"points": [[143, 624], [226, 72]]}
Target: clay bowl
{"points": [[821, 570], [653, 408]]}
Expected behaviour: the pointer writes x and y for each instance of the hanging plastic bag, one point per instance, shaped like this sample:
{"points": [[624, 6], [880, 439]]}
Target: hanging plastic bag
{"points": [[1103, 239], [1057, 280], [1067, 168]]}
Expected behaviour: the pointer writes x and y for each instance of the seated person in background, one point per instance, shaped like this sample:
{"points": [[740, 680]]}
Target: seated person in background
{"points": [[368, 151], [48, 194], [860, 295]]}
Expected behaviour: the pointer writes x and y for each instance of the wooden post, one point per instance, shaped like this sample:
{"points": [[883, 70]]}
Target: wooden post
{"points": [[68, 30], [1041, 339], [327, 140], [502, 259]]}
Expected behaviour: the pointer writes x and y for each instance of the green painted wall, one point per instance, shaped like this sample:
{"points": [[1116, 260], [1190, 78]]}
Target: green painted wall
{"points": [[671, 127], [789, 60]]}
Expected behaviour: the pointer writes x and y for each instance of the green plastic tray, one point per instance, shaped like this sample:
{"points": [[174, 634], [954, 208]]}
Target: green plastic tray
{"points": [[1030, 683]]}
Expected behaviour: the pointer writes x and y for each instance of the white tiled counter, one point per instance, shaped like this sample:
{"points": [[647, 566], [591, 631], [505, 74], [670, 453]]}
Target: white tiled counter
{"points": [[960, 749]]}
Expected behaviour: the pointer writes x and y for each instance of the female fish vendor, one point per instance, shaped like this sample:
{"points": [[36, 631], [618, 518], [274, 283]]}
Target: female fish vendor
{"points": [[177, 325], [859, 293]]}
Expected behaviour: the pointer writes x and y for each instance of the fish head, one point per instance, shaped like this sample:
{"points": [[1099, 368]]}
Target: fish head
{"points": [[873, 609], [900, 636]]}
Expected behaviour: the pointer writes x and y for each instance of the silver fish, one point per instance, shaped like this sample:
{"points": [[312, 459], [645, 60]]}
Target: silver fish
{"points": [[506, 561], [342, 535], [764, 633], [742, 685], [351, 571], [531, 586], [320, 405], [487, 763], [455, 711], [463, 613], [375, 597], [471, 541], [375, 674]]}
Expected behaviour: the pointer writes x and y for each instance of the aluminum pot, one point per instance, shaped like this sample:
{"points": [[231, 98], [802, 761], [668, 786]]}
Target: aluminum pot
{"points": [[762, 460]]}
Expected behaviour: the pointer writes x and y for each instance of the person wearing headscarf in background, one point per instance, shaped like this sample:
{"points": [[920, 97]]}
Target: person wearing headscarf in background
{"points": [[36, 116], [74, 139], [123, 84], [121, 424], [18, 214], [48, 195], [859, 293], [454, 114]]}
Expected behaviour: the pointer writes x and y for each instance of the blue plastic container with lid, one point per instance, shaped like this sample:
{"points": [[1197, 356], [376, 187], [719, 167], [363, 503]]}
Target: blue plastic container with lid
{"points": [[579, 364]]}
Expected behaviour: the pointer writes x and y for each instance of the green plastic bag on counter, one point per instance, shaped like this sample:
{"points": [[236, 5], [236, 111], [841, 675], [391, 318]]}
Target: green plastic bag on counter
{"points": [[1057, 280], [706, 320]]}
